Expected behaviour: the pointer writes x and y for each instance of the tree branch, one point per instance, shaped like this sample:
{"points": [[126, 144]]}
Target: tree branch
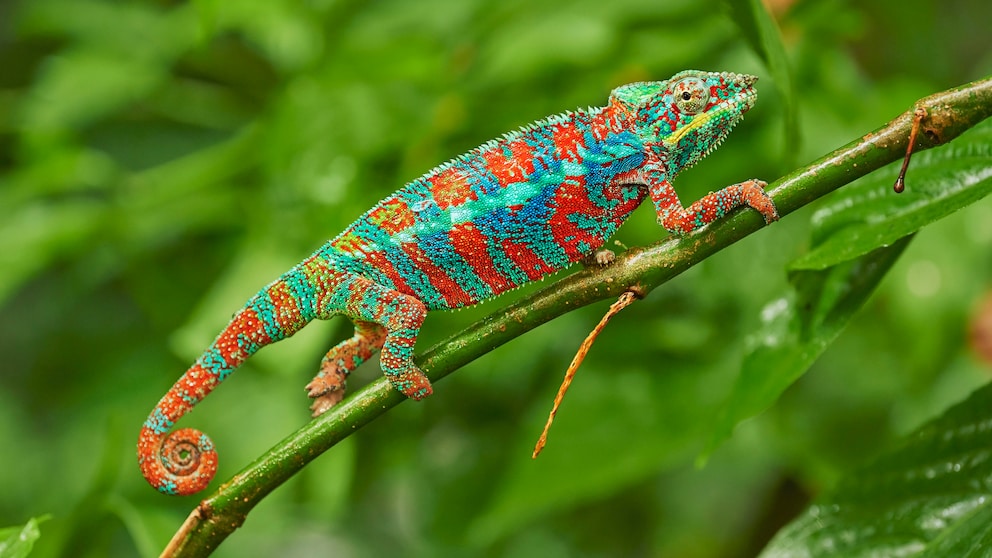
{"points": [[948, 115]]}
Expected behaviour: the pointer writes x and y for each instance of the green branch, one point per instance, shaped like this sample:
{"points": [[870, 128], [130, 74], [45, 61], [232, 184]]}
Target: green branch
{"points": [[641, 269]]}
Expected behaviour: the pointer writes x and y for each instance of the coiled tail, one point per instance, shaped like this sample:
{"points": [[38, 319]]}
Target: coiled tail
{"points": [[185, 461], [181, 463]]}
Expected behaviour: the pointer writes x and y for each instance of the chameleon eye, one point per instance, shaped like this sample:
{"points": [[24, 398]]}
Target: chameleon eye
{"points": [[690, 96]]}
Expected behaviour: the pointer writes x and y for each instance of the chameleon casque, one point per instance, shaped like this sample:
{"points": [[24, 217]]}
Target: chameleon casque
{"points": [[509, 212]]}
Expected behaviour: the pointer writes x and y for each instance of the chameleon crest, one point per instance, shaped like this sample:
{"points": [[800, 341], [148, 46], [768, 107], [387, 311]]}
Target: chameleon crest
{"points": [[509, 212]]}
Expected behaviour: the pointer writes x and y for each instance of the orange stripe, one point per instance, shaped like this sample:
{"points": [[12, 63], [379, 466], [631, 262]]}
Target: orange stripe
{"points": [[526, 259], [515, 168], [451, 291], [377, 260], [469, 243], [450, 188], [568, 140]]}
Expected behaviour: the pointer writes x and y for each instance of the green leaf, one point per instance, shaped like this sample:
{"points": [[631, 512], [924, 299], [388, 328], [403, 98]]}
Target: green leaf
{"points": [[867, 214], [35, 235], [930, 496], [17, 542], [797, 329]]}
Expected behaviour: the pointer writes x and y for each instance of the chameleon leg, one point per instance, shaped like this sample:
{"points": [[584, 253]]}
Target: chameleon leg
{"points": [[679, 221], [397, 316], [328, 387]]}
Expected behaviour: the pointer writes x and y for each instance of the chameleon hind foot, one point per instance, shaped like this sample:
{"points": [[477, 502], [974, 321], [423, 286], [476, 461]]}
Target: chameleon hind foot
{"points": [[411, 383], [327, 389]]}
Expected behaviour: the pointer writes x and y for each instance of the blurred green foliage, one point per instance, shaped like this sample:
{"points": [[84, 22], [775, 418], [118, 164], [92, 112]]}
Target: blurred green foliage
{"points": [[160, 161], [17, 542]]}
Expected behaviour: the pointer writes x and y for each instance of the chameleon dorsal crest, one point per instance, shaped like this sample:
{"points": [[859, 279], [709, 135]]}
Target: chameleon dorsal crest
{"points": [[507, 213]]}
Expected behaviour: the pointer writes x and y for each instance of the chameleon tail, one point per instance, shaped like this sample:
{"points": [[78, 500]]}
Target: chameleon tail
{"points": [[185, 461]]}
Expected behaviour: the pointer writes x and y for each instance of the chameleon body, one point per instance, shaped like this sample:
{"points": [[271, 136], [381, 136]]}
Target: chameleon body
{"points": [[506, 213]]}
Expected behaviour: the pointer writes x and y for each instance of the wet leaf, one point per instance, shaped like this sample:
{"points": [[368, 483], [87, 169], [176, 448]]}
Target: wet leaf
{"points": [[930, 496], [865, 215], [797, 329]]}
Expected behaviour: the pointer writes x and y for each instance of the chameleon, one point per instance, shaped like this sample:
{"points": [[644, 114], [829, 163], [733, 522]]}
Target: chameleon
{"points": [[507, 213]]}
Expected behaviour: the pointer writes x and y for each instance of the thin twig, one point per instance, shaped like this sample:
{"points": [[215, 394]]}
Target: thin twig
{"points": [[918, 115], [624, 301]]}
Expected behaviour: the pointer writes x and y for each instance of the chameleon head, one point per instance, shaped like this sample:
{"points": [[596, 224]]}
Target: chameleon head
{"points": [[688, 115]]}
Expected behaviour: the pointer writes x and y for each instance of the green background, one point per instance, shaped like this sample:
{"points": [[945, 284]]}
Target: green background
{"points": [[161, 161]]}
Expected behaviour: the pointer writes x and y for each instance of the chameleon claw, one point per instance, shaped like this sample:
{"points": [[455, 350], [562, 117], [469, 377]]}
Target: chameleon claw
{"points": [[753, 192], [322, 385], [413, 384], [327, 389], [600, 258], [323, 403]]}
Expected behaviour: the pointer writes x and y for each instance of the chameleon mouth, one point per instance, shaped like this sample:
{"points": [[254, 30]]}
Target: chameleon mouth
{"points": [[749, 94], [743, 100]]}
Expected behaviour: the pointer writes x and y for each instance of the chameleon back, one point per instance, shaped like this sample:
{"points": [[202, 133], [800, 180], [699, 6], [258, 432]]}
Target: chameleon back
{"points": [[507, 213]]}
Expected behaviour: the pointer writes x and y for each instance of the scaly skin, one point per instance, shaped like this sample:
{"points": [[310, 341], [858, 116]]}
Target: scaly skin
{"points": [[507, 213]]}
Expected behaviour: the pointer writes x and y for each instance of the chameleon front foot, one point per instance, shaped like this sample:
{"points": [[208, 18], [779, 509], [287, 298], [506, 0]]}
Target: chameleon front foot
{"points": [[753, 193], [600, 258]]}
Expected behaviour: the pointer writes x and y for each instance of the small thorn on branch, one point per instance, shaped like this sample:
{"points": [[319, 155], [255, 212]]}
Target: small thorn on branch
{"points": [[918, 115], [625, 299]]}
